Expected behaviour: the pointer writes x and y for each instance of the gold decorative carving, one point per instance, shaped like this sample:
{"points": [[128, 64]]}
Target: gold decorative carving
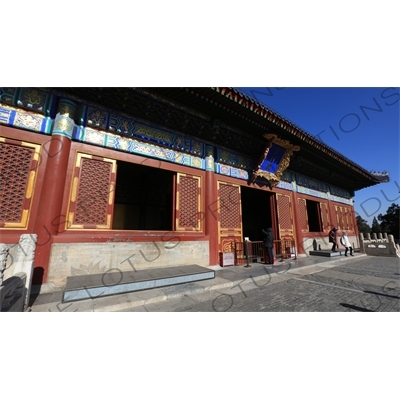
{"points": [[96, 117], [154, 133], [111, 194], [271, 137], [196, 162], [8, 107], [125, 124], [31, 183], [29, 121], [33, 97], [63, 125], [67, 111], [74, 189], [210, 162], [274, 178]]}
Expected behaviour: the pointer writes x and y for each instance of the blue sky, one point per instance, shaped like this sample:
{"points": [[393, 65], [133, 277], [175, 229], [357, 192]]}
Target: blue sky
{"points": [[360, 123]]}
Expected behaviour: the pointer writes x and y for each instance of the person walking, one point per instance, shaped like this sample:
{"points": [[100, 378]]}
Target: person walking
{"points": [[344, 241], [332, 238], [269, 244]]}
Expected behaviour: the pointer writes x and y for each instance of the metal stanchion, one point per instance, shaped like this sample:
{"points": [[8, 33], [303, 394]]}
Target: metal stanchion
{"points": [[247, 254], [295, 250]]}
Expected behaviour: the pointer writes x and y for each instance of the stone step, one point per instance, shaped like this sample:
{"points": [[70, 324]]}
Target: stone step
{"points": [[330, 253], [83, 287]]}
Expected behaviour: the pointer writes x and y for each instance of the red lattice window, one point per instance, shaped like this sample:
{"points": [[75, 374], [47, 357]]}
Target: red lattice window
{"points": [[17, 177], [302, 207], [339, 218], [344, 218], [92, 193], [229, 207], [347, 217], [285, 221], [325, 217], [350, 217], [91, 207], [188, 203]]}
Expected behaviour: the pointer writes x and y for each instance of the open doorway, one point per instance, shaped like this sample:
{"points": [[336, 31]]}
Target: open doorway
{"points": [[143, 198], [256, 212]]}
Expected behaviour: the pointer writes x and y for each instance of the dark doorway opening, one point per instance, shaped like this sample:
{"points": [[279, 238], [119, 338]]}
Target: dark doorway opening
{"points": [[256, 212], [143, 198], [314, 216]]}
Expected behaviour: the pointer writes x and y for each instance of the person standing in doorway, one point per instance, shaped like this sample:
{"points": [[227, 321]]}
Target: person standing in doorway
{"points": [[344, 241], [269, 244], [332, 238]]}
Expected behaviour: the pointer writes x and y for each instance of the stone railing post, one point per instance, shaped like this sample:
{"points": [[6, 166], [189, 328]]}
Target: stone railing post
{"points": [[368, 236], [24, 261], [385, 236], [394, 246], [373, 236], [361, 236], [4, 249]]}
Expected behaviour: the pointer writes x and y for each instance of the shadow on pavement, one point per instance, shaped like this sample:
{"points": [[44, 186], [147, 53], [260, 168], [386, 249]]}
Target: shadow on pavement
{"points": [[355, 307], [382, 294]]}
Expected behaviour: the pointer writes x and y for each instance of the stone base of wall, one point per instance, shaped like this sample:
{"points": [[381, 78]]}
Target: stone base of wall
{"points": [[68, 259], [311, 244]]}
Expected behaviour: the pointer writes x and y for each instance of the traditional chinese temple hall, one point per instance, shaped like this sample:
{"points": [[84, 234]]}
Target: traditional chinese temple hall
{"points": [[139, 179]]}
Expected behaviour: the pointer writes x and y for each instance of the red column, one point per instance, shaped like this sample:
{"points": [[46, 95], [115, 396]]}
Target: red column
{"points": [[211, 221], [49, 216], [353, 214], [297, 225]]}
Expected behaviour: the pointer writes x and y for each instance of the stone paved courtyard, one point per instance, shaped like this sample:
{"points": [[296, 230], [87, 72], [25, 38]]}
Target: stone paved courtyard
{"points": [[368, 284]]}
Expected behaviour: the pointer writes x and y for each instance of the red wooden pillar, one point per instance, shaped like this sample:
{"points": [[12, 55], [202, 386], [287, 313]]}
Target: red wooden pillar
{"points": [[297, 225], [354, 220], [49, 218], [211, 212]]}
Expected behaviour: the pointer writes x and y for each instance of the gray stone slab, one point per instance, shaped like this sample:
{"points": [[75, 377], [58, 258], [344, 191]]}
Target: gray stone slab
{"points": [[46, 298], [170, 304], [122, 277], [180, 290], [119, 302], [326, 253], [92, 292], [82, 306], [215, 283], [147, 294], [134, 309], [307, 270]]}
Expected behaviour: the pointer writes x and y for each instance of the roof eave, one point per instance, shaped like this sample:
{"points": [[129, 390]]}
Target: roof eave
{"points": [[283, 123]]}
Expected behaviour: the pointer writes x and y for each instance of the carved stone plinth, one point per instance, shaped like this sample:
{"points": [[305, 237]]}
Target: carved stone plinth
{"points": [[4, 249], [24, 261]]}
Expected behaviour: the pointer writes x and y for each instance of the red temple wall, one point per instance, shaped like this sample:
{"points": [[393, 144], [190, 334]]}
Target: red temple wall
{"points": [[208, 231]]}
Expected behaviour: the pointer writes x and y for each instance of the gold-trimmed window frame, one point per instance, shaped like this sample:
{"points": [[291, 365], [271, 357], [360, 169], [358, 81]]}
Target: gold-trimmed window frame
{"points": [[69, 223], [30, 185], [197, 227]]}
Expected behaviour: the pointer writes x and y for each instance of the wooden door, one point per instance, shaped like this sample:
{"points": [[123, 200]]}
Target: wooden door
{"points": [[229, 215]]}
